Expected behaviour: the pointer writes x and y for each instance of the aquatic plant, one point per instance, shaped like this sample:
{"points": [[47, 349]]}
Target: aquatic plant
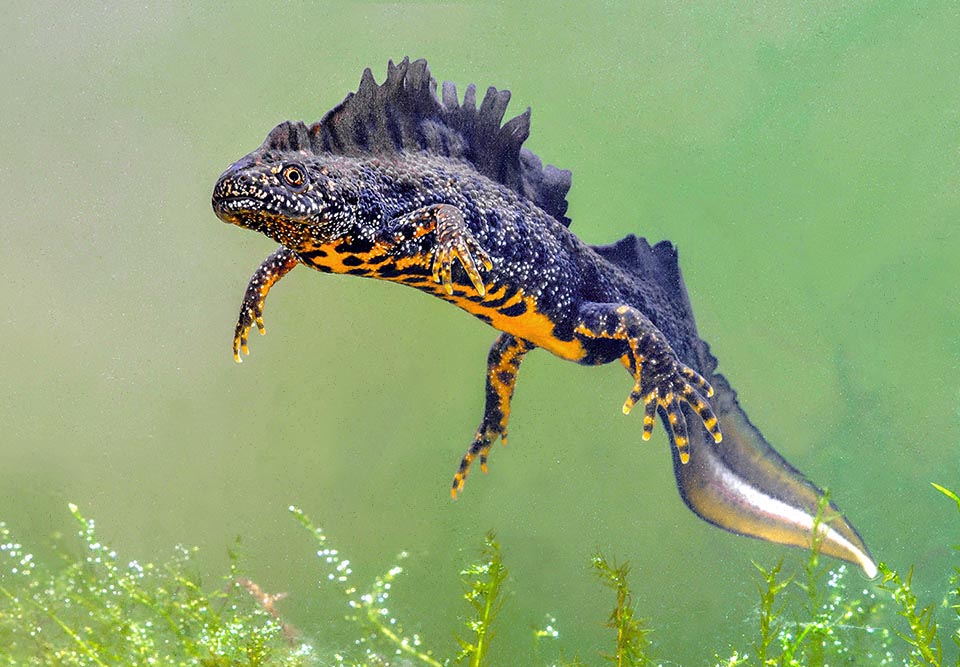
{"points": [[380, 637], [632, 643], [821, 623], [98, 611], [829, 625], [923, 636], [484, 582]]}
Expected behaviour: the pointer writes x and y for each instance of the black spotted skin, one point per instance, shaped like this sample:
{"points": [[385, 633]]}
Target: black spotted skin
{"points": [[399, 184]]}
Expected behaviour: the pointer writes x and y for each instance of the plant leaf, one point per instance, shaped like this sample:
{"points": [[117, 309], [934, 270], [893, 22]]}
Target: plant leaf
{"points": [[948, 493]]}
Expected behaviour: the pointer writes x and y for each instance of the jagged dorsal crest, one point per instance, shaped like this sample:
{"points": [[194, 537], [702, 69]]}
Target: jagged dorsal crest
{"points": [[404, 114], [657, 263], [653, 264]]}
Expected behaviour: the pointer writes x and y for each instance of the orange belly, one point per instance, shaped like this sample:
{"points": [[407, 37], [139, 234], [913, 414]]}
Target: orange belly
{"points": [[531, 325]]}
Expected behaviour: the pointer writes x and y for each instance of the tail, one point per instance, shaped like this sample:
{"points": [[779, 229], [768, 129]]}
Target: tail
{"points": [[741, 484]]}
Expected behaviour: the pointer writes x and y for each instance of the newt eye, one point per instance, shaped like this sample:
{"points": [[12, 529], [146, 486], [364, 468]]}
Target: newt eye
{"points": [[295, 176]]}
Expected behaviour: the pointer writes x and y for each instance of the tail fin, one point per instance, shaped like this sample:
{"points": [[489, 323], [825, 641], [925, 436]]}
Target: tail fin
{"points": [[746, 487], [741, 484]]}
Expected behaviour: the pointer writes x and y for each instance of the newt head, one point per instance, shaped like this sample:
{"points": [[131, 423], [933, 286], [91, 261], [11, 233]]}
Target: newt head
{"points": [[289, 195]]}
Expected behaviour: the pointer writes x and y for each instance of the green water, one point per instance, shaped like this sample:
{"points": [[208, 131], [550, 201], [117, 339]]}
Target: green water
{"points": [[806, 161]]}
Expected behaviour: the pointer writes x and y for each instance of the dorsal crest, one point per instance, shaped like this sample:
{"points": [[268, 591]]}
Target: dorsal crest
{"points": [[404, 114]]}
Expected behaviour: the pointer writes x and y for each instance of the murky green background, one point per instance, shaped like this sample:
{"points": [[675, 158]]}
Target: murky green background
{"points": [[806, 161]]}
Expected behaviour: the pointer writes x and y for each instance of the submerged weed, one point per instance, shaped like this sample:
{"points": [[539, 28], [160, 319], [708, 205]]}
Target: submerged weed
{"points": [[825, 625], [923, 636], [769, 611], [836, 627], [99, 611], [832, 626], [632, 642], [484, 582], [381, 637]]}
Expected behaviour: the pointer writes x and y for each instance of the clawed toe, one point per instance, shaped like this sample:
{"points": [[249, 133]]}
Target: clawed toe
{"points": [[480, 447]]}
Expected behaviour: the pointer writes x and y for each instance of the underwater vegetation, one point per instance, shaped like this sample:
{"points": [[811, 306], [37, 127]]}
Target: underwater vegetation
{"points": [[97, 610]]}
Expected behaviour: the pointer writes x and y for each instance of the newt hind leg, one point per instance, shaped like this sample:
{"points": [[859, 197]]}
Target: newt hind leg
{"points": [[660, 379], [503, 364], [272, 269]]}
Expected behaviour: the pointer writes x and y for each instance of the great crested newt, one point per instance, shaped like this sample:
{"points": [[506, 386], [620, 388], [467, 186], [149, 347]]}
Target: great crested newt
{"points": [[400, 184]]}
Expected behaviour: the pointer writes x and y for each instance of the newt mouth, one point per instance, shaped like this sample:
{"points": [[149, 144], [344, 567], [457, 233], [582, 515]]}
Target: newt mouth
{"points": [[229, 209]]}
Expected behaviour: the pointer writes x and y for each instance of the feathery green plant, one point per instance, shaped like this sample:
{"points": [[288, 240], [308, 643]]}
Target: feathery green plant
{"points": [[98, 611], [632, 641], [828, 626], [102, 612], [484, 583], [923, 636], [381, 634], [769, 611]]}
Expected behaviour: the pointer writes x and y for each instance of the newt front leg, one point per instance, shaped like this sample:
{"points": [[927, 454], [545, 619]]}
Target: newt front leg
{"points": [[272, 269], [453, 240], [503, 364], [660, 379]]}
